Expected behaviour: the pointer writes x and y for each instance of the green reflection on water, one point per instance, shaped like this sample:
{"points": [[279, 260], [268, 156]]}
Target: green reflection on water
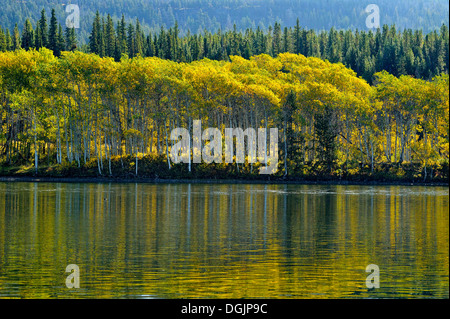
{"points": [[222, 241]]}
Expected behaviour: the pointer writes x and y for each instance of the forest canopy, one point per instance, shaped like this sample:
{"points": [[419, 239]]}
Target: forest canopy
{"points": [[83, 111], [197, 16], [399, 52]]}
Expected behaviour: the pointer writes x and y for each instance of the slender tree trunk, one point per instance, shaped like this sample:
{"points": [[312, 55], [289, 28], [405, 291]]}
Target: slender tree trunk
{"points": [[167, 147], [190, 143], [372, 156], [285, 149], [36, 156], [136, 163]]}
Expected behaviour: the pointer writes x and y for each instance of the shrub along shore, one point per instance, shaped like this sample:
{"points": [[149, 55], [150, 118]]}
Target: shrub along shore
{"points": [[155, 169]]}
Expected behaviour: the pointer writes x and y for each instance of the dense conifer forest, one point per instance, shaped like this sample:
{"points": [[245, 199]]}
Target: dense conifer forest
{"points": [[196, 16], [407, 52]]}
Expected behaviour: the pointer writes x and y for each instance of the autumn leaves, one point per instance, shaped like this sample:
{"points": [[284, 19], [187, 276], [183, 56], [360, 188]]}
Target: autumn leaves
{"points": [[81, 107]]}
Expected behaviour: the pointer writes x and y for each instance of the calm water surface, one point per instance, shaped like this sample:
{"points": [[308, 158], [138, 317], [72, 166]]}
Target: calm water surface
{"points": [[223, 241]]}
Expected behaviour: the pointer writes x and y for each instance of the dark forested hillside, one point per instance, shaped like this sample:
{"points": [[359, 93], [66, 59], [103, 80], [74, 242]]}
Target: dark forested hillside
{"points": [[197, 15]]}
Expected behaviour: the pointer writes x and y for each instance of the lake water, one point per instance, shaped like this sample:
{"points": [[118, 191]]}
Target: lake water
{"points": [[223, 241]]}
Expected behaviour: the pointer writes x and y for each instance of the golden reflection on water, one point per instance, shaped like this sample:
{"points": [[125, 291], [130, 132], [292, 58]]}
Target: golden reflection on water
{"points": [[222, 241]]}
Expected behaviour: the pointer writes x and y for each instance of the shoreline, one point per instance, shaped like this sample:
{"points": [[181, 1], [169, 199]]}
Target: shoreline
{"points": [[121, 180]]}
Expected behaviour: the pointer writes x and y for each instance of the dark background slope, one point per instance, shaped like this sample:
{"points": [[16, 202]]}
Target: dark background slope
{"points": [[197, 15]]}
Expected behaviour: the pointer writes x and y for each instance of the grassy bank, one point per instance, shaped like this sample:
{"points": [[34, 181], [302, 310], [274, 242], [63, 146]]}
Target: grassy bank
{"points": [[156, 169]]}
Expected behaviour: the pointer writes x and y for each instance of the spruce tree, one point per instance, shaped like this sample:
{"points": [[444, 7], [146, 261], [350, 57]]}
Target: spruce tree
{"points": [[121, 44], [60, 43], [102, 40], [117, 52], [53, 33], [138, 40], [16, 42], [276, 44], [95, 37], [2, 40], [286, 40], [43, 29], [110, 37], [162, 43], [235, 50], [131, 41], [38, 41], [28, 35], [444, 33], [326, 131], [297, 38], [333, 50], [150, 46], [71, 40], [8, 42], [247, 50], [260, 42]]}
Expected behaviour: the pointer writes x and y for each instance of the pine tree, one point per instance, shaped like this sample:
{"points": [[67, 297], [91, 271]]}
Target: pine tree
{"points": [[235, 50], [16, 45], [102, 40], [156, 45], [440, 55], [175, 45], [326, 131], [297, 38], [95, 37], [305, 44], [150, 46], [286, 40], [110, 37], [60, 43], [333, 50], [313, 45], [260, 43], [269, 42], [247, 50], [2, 40], [53, 33], [121, 44], [139, 39], [445, 45], [28, 35], [43, 30], [131, 41], [71, 39], [8, 42], [162, 44], [206, 50], [38, 40], [276, 40], [291, 147]]}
